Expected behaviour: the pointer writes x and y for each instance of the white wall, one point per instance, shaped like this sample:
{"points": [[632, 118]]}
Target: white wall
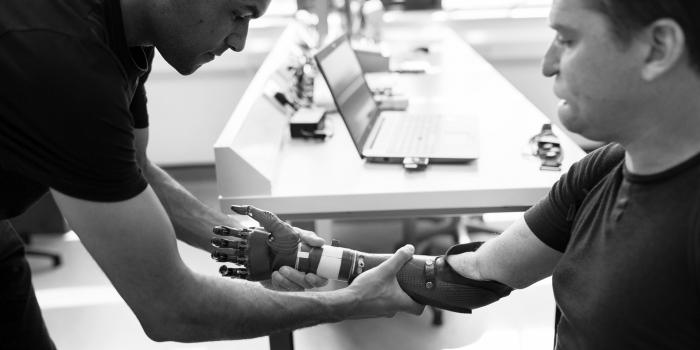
{"points": [[188, 113], [515, 47]]}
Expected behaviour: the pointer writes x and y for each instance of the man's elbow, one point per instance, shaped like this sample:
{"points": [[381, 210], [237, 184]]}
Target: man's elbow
{"points": [[522, 281], [162, 325], [182, 315], [169, 317], [188, 326], [519, 284], [156, 334]]}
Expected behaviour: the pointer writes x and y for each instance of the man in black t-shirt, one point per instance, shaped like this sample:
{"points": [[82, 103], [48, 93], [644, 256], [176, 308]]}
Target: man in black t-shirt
{"points": [[620, 232], [73, 121]]}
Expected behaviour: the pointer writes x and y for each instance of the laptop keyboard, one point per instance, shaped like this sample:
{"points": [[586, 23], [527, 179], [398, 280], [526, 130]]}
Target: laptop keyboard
{"points": [[414, 135]]}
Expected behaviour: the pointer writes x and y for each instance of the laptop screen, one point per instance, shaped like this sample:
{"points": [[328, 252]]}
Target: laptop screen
{"points": [[353, 98]]}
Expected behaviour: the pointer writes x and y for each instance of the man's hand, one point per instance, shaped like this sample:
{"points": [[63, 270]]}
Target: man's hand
{"points": [[378, 292], [289, 279]]}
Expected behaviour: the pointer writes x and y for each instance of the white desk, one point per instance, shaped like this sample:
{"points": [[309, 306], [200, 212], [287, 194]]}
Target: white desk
{"points": [[258, 164]]}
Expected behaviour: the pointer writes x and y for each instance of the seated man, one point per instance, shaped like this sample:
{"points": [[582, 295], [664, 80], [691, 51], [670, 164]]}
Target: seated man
{"points": [[619, 233], [73, 121]]}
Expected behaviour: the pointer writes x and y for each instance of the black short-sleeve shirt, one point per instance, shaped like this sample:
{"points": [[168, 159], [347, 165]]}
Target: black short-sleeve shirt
{"points": [[71, 95], [630, 271]]}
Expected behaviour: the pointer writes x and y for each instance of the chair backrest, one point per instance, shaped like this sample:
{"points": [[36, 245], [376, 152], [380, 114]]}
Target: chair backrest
{"points": [[42, 217], [413, 4]]}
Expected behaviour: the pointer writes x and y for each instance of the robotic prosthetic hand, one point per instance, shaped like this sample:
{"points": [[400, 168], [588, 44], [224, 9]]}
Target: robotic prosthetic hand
{"points": [[428, 280]]}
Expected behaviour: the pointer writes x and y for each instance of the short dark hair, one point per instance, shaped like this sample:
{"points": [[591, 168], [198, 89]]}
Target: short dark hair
{"points": [[627, 17]]}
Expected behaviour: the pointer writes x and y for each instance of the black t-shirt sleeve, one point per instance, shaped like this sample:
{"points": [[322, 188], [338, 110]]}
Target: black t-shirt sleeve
{"points": [[66, 116], [551, 218], [138, 104]]}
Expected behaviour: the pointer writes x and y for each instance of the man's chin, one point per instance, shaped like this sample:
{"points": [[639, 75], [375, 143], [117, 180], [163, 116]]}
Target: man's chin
{"points": [[187, 70], [191, 67], [183, 67], [571, 124], [579, 126]]}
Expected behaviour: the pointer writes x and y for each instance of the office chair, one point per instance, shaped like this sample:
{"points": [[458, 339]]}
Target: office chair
{"points": [[44, 217], [26, 238], [412, 4]]}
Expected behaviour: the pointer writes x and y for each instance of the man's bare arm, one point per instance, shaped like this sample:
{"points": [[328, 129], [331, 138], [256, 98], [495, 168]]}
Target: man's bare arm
{"points": [[516, 258], [134, 244], [191, 219]]}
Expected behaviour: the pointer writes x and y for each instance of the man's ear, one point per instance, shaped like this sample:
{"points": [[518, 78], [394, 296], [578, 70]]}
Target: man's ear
{"points": [[666, 43]]}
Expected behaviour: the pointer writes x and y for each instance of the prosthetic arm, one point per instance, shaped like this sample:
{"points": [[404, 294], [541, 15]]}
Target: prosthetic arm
{"points": [[428, 280]]}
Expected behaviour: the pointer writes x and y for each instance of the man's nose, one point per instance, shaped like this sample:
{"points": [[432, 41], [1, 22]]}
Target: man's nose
{"points": [[236, 41], [550, 62]]}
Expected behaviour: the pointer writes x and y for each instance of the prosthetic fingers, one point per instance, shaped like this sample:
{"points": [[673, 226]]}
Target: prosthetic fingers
{"points": [[429, 280]]}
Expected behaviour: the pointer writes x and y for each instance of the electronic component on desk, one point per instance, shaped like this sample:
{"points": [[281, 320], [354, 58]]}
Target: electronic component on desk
{"points": [[416, 67], [422, 49], [388, 100], [270, 92], [415, 163], [391, 102], [309, 123], [286, 102], [547, 147]]}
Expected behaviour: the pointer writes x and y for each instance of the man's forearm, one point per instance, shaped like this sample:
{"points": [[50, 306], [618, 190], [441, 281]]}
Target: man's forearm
{"points": [[191, 219], [236, 309], [226, 309]]}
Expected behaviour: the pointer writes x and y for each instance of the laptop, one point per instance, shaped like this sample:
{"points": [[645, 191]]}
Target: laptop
{"points": [[391, 136]]}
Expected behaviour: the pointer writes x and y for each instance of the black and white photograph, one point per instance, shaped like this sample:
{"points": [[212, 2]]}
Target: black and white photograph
{"points": [[349, 174]]}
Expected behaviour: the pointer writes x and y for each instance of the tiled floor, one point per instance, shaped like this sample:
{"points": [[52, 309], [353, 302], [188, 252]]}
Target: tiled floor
{"points": [[83, 311]]}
